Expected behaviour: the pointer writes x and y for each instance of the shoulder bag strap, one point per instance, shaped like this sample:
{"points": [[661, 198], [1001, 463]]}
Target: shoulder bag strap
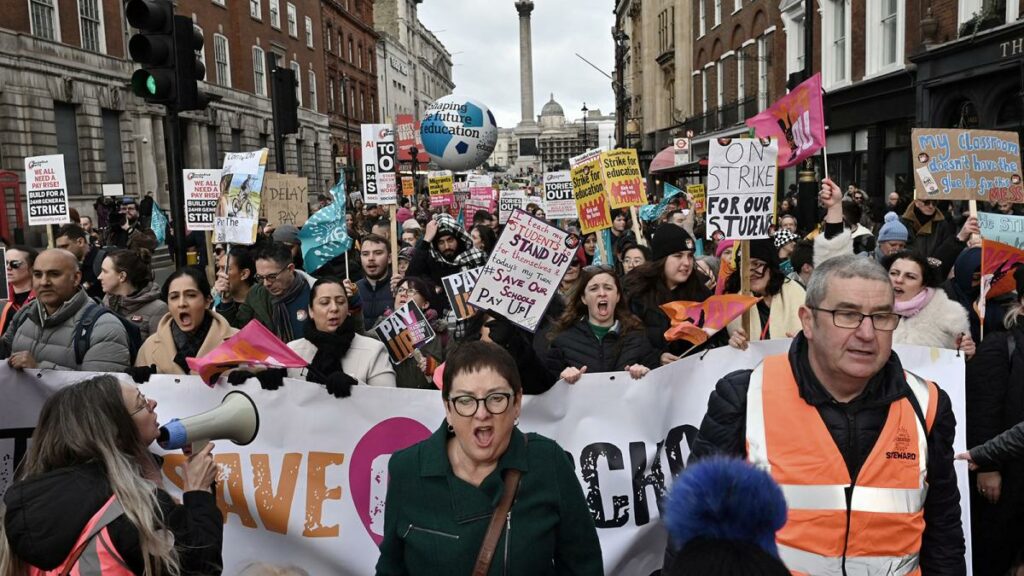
{"points": [[508, 495]]}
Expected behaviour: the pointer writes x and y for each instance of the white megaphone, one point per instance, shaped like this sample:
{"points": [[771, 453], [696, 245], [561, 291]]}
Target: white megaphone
{"points": [[236, 419]]}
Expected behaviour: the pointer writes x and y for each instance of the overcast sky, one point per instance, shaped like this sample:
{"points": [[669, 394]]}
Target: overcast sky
{"points": [[483, 38]]}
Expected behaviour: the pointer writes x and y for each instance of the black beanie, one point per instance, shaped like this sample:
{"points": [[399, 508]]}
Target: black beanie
{"points": [[764, 250], [669, 239]]}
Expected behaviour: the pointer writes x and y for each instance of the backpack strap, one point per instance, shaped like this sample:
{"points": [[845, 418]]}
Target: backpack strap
{"points": [[83, 330]]}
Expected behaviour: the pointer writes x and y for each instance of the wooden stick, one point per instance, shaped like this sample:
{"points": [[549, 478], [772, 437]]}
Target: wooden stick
{"points": [[745, 283], [600, 246], [394, 242], [49, 236], [634, 218], [972, 205]]}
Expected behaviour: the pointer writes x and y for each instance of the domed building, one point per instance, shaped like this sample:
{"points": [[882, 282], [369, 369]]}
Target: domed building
{"points": [[552, 115]]}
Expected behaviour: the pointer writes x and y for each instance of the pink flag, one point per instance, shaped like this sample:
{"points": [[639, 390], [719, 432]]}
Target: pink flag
{"points": [[797, 121], [254, 345]]}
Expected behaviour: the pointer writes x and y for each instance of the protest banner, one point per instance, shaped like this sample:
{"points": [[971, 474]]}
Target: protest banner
{"points": [[967, 165], [461, 196], [241, 183], [620, 171], [480, 180], [652, 212], [202, 194], [470, 208], [741, 187], [589, 192], [46, 187], [695, 322], [1005, 228], [253, 345], [458, 287], [310, 489], [405, 136], [524, 270], [380, 184], [441, 188], [285, 199], [796, 122], [559, 202], [508, 202], [405, 331], [408, 186], [4, 294], [113, 189], [700, 199]]}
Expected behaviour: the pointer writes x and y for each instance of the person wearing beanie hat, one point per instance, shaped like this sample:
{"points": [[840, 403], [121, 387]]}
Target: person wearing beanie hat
{"points": [[781, 298], [892, 236], [724, 249], [670, 239], [784, 241], [288, 235], [403, 214]]}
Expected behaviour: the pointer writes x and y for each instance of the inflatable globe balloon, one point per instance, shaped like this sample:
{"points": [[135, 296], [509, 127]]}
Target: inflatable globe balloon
{"points": [[458, 133]]}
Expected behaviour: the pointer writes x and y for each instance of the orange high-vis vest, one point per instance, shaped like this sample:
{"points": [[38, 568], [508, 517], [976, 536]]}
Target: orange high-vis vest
{"points": [[94, 553], [866, 526]]}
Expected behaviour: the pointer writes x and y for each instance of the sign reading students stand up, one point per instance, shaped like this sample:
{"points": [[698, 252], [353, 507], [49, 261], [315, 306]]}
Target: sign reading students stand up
{"points": [[741, 187], [380, 184], [47, 190], [967, 165]]}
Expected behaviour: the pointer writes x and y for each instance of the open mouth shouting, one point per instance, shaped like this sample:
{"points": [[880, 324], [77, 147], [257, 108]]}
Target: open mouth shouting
{"points": [[483, 436]]}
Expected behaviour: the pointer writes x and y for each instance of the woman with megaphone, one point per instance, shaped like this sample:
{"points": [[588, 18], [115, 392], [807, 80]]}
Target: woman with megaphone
{"points": [[88, 498]]}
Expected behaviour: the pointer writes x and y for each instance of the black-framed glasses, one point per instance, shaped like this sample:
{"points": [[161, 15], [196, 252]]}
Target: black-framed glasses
{"points": [[406, 292], [851, 319], [15, 264], [495, 403], [758, 268], [269, 277]]}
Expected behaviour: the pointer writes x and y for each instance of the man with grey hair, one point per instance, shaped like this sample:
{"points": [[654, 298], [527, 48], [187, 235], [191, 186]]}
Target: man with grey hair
{"points": [[862, 449]]}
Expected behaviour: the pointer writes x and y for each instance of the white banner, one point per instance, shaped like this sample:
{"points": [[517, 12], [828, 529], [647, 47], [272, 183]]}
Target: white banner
{"points": [[46, 190], [741, 187], [202, 193], [310, 489], [380, 185]]}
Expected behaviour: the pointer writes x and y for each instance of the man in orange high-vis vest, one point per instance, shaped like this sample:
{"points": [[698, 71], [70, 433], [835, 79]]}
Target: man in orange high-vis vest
{"points": [[863, 451]]}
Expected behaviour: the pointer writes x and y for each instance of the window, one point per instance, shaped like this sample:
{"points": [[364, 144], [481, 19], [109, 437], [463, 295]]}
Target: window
{"points": [[359, 52], [65, 117], [259, 75], [885, 35], [762, 72], [794, 27], [275, 13], [351, 59], [1000, 12], [328, 38], [835, 41], [704, 91], [112, 155], [720, 84], [91, 19], [256, 9], [44, 19], [702, 18], [312, 90], [737, 6], [666, 30], [718, 13], [330, 94], [293, 21], [309, 32], [741, 81], [298, 81], [362, 105], [220, 54]]}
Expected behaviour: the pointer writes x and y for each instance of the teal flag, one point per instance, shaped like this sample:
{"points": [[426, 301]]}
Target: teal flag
{"points": [[604, 236], [324, 236], [651, 212], [158, 224]]}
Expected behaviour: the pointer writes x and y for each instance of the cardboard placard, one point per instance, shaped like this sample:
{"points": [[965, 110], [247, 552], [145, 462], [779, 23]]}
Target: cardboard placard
{"points": [[967, 165], [380, 184], [46, 188], [700, 197], [621, 173], [241, 184], [1005, 228], [589, 192], [741, 187], [404, 332], [441, 187], [558, 199], [285, 199], [524, 270], [457, 288], [202, 194], [508, 202], [480, 180]]}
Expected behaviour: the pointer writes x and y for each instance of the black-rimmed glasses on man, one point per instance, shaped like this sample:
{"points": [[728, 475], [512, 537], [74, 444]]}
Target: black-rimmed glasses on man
{"points": [[851, 319]]}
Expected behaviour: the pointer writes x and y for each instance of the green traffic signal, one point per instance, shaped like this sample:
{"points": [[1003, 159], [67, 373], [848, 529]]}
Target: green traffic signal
{"points": [[151, 85]]}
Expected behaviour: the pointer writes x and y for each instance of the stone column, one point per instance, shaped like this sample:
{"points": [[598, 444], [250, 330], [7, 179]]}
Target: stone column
{"points": [[524, 7]]}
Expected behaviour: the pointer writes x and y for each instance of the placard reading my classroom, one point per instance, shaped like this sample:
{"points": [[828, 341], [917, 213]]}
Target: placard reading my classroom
{"points": [[741, 187], [47, 190], [558, 199], [967, 165], [524, 270], [202, 192]]}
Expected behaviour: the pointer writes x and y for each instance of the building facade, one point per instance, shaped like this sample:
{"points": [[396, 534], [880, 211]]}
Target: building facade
{"points": [[395, 80]]}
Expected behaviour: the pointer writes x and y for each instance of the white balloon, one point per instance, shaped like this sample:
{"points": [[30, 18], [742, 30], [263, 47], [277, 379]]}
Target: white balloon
{"points": [[458, 133]]}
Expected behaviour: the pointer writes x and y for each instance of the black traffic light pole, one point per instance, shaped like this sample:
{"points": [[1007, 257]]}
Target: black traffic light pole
{"points": [[284, 107], [176, 185]]}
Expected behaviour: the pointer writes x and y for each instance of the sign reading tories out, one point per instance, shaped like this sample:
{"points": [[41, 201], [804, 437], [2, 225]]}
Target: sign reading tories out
{"points": [[202, 193], [558, 199], [741, 187], [380, 184], [508, 202], [967, 165], [47, 190], [589, 191]]}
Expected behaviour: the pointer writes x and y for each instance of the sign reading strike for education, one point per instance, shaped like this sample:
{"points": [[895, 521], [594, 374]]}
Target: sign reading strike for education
{"points": [[458, 287], [589, 192], [967, 165], [1004, 228], [241, 183], [796, 121], [380, 184], [314, 495], [700, 198], [508, 202], [741, 187], [202, 194], [621, 173], [441, 187], [285, 199], [406, 330], [524, 270], [559, 202], [46, 189]]}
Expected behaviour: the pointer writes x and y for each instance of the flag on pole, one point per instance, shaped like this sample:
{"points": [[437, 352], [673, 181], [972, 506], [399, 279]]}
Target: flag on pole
{"points": [[324, 236], [797, 121], [652, 212], [253, 345], [158, 224], [695, 322]]}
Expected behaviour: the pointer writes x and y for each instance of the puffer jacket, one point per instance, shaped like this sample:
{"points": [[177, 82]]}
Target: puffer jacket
{"points": [[144, 308], [50, 340], [855, 427], [578, 346], [938, 324]]}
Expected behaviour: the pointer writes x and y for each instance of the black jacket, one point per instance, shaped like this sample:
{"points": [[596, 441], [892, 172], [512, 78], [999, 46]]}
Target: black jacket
{"points": [[995, 400], [375, 299], [937, 241], [423, 265], [577, 346], [855, 427], [46, 515]]}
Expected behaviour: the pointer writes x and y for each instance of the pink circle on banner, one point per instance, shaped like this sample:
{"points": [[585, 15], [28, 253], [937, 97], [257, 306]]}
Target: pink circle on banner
{"points": [[367, 476]]}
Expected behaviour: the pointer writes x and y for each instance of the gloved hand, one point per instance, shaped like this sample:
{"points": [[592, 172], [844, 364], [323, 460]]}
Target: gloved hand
{"points": [[340, 384], [236, 377], [271, 378], [141, 374]]}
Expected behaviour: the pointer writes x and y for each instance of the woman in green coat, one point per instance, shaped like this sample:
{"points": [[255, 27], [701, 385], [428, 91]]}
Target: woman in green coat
{"points": [[443, 491]]}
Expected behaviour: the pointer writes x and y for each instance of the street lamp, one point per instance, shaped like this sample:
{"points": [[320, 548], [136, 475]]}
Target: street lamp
{"points": [[585, 143]]}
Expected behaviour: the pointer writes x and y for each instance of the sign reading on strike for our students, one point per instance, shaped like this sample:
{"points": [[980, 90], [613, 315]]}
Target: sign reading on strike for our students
{"points": [[741, 187], [202, 193], [458, 288], [509, 201], [524, 270], [589, 191], [559, 202], [405, 331], [441, 186], [47, 190], [621, 173], [380, 183], [967, 165]]}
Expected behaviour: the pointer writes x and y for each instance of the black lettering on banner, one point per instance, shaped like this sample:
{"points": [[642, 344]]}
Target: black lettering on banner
{"points": [[386, 156], [674, 447], [642, 480], [21, 436], [588, 467]]}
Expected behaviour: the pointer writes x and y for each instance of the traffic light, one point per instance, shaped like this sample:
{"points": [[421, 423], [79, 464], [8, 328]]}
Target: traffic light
{"points": [[190, 68], [285, 105], [153, 47]]}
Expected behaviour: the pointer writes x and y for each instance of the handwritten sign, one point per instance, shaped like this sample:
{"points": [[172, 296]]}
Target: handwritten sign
{"points": [[241, 183], [285, 199], [441, 187], [508, 202], [700, 197], [967, 165], [559, 202], [404, 332], [1004, 228], [113, 190], [589, 192], [233, 230], [458, 288], [524, 270], [741, 187], [202, 192], [47, 190], [621, 173], [380, 182]]}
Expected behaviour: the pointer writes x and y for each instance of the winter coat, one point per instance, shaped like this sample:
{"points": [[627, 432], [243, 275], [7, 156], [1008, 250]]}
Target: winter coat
{"points": [[995, 400], [935, 239], [427, 262], [258, 305], [51, 340], [366, 361], [938, 324], [578, 346], [855, 427], [434, 522], [783, 320], [827, 246], [160, 349], [144, 308], [375, 299], [46, 515]]}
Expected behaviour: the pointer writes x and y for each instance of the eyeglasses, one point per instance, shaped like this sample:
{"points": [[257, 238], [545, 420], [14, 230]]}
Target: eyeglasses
{"points": [[269, 277], [851, 319], [495, 403], [15, 264], [407, 292], [143, 406]]}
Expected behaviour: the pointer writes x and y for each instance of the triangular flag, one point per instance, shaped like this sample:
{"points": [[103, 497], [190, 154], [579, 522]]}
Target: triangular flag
{"points": [[695, 322], [253, 345], [797, 121]]}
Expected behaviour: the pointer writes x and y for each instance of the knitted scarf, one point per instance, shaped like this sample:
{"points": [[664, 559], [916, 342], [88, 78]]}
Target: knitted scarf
{"points": [[188, 344], [282, 319], [331, 347], [911, 307]]}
